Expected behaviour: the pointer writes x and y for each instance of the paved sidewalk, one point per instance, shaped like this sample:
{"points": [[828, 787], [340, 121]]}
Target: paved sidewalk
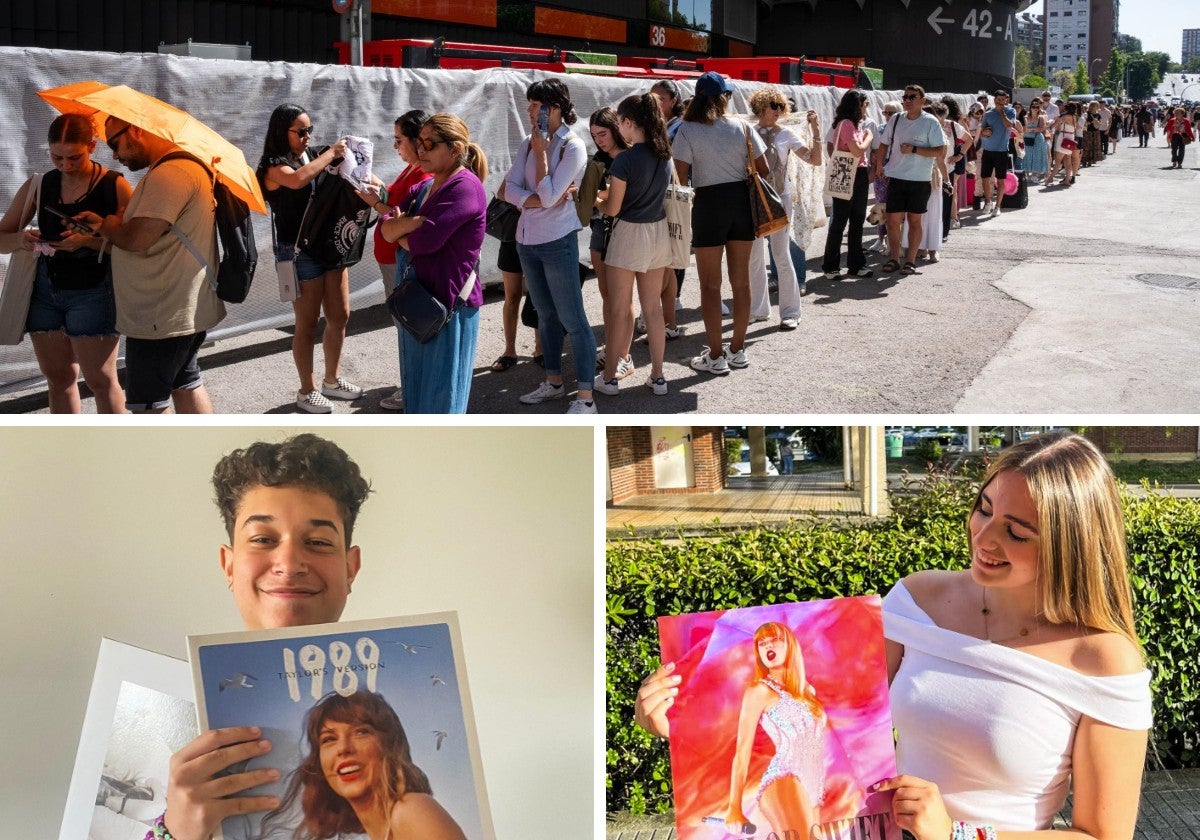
{"points": [[1036, 310], [1170, 810]]}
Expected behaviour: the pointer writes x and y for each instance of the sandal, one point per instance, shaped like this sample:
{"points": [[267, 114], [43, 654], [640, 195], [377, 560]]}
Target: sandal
{"points": [[890, 266], [503, 363], [909, 268]]}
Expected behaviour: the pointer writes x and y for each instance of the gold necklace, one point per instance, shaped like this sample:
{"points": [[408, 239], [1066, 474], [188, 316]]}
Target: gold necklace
{"points": [[1024, 631]]}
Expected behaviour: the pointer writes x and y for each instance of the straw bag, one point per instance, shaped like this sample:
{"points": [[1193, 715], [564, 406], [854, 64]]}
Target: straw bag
{"points": [[18, 282], [766, 208]]}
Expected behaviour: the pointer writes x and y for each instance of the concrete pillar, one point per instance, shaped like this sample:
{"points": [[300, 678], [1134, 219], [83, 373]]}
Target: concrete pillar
{"points": [[758, 450]]}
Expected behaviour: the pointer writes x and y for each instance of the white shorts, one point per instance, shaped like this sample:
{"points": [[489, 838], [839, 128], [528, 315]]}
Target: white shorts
{"points": [[636, 246]]}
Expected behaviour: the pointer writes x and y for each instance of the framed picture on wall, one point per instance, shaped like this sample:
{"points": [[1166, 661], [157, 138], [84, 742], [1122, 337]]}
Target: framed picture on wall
{"points": [[370, 724]]}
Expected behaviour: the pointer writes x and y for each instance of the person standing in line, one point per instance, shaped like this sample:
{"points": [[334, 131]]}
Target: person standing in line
{"points": [[406, 130], [670, 101], [286, 172], [850, 135], [547, 169], [996, 128], [1145, 125], [769, 106], [606, 134], [911, 146], [72, 319], [165, 302], [711, 148]]}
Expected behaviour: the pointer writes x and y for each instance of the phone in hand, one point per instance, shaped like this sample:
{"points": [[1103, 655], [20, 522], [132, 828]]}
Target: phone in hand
{"points": [[78, 227], [543, 121]]}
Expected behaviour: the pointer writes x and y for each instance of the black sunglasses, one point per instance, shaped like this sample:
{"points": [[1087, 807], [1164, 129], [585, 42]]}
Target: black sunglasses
{"points": [[303, 132], [112, 141], [777, 106], [908, 97]]}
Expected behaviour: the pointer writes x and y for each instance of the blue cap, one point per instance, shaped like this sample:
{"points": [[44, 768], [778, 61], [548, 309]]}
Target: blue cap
{"points": [[713, 83]]}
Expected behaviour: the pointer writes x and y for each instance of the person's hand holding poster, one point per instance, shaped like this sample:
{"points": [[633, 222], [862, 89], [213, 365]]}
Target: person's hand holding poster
{"points": [[782, 722]]}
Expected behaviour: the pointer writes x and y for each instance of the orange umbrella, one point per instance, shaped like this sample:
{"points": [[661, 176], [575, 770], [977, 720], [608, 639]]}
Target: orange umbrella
{"points": [[100, 101]]}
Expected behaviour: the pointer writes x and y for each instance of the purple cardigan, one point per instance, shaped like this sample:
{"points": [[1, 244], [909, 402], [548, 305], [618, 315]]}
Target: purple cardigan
{"points": [[445, 250]]}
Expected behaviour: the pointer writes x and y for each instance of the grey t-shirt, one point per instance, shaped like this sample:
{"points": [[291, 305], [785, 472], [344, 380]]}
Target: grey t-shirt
{"points": [[646, 177], [717, 152]]}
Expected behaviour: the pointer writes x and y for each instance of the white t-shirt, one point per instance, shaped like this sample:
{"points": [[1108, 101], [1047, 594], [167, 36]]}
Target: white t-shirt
{"points": [[787, 140], [925, 132]]}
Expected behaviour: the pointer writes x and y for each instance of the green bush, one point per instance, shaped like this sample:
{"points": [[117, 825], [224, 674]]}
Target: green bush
{"points": [[1033, 80], [846, 557], [929, 449]]}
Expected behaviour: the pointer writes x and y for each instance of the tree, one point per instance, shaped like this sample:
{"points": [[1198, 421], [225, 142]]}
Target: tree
{"points": [[1129, 44], [1022, 62], [1114, 74], [1033, 80], [1143, 78], [1082, 83], [1065, 79], [1193, 65], [1160, 61]]}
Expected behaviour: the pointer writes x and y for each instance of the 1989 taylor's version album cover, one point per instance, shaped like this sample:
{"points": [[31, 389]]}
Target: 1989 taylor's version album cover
{"points": [[782, 722], [370, 724]]}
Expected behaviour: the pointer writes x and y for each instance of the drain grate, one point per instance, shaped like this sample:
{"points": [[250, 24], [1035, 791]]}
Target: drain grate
{"points": [[1169, 281]]}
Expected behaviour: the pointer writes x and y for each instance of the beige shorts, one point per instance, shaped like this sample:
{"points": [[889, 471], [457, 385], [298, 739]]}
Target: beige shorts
{"points": [[636, 246]]}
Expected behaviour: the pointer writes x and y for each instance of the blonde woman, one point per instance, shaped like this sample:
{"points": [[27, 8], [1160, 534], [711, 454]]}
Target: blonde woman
{"points": [[1021, 679], [1064, 146]]}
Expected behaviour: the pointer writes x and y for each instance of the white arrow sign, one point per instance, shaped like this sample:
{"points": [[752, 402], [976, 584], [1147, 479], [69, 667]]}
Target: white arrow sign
{"points": [[934, 20]]}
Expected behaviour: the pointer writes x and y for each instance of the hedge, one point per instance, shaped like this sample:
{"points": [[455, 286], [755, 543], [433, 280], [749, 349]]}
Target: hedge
{"points": [[832, 558]]}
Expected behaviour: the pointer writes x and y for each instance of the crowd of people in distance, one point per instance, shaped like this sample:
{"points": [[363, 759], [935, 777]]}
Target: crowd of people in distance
{"points": [[926, 162]]}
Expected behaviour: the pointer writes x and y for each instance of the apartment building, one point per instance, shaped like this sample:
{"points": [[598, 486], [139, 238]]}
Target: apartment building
{"points": [[1080, 30]]}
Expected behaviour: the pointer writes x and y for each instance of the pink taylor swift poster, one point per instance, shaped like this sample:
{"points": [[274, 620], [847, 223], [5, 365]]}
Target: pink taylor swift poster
{"points": [[782, 722]]}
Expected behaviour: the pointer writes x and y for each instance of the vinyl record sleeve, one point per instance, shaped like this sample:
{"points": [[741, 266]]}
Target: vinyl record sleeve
{"points": [[813, 751], [273, 678], [139, 712]]}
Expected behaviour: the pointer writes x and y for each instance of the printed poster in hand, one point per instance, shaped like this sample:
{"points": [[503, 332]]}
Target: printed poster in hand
{"points": [[782, 722], [345, 702]]}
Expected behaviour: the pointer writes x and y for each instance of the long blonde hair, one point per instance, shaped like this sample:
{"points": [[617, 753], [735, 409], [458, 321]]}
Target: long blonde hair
{"points": [[453, 130], [794, 680], [1083, 575]]}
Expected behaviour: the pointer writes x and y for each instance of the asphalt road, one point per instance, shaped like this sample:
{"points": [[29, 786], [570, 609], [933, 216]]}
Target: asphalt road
{"points": [[1035, 311]]}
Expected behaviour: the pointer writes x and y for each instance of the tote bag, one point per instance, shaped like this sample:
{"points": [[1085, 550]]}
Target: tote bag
{"points": [[678, 204], [18, 282]]}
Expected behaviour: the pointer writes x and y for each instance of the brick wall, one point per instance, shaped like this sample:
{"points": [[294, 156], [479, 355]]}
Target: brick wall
{"points": [[1144, 440], [631, 462]]}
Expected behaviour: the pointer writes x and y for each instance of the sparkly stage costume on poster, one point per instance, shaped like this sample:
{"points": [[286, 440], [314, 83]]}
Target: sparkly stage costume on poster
{"points": [[782, 722], [370, 725]]}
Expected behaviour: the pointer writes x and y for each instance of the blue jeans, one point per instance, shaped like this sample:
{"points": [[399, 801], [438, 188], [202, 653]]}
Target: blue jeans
{"points": [[552, 279]]}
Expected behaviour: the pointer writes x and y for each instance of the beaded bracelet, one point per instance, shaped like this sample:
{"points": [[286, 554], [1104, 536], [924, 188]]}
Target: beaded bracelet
{"points": [[159, 830], [960, 830]]}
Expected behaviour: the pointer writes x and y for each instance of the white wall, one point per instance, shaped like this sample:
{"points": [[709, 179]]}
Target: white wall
{"points": [[112, 531]]}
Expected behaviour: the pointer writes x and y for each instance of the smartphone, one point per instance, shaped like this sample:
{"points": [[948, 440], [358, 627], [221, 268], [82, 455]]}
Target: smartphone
{"points": [[71, 223], [543, 121]]}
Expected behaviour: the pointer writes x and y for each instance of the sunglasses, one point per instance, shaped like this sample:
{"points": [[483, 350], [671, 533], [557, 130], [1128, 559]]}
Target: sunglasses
{"points": [[303, 132], [777, 106], [112, 141], [429, 145], [908, 97]]}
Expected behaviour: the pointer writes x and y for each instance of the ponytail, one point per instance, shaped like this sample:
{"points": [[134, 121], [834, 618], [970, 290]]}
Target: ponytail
{"points": [[475, 160], [644, 112]]}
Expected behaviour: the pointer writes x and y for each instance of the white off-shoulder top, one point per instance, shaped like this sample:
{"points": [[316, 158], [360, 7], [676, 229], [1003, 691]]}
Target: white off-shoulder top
{"points": [[993, 726]]}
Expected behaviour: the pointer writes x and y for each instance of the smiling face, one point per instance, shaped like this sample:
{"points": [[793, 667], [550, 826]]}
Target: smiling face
{"points": [[351, 759], [289, 564], [1004, 533]]}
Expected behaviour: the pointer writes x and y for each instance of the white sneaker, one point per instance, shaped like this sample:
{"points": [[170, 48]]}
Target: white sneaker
{"points": [[955, 224], [704, 362], [658, 386], [675, 332], [313, 402], [987, 209], [542, 393], [737, 360], [611, 387], [832, 275], [788, 324], [639, 325], [995, 209], [341, 390], [581, 407], [624, 367], [393, 403]]}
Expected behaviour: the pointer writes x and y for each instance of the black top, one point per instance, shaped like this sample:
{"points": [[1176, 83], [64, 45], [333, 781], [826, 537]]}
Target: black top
{"points": [[286, 203], [646, 177], [79, 269]]}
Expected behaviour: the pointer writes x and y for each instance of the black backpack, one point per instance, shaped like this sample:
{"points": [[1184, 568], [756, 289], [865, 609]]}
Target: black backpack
{"points": [[239, 256]]}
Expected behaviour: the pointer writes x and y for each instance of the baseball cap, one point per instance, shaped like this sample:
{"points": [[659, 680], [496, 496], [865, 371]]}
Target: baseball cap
{"points": [[713, 83]]}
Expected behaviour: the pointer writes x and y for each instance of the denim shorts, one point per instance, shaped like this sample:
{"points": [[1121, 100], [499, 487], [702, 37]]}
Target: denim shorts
{"points": [[79, 313], [154, 367], [306, 267]]}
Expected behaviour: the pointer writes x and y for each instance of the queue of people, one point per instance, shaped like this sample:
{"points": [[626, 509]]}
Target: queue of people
{"points": [[928, 161]]}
